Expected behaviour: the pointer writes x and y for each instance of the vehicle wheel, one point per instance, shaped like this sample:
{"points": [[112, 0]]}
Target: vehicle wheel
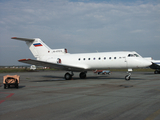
{"points": [[17, 86], [68, 76], [4, 86], [127, 77], [82, 75]]}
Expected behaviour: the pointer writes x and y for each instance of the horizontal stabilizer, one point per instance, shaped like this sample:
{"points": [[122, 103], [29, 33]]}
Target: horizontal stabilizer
{"points": [[51, 65], [23, 39]]}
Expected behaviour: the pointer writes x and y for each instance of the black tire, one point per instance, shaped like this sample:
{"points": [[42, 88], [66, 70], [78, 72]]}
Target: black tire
{"points": [[127, 77], [17, 86], [68, 76], [4, 86], [82, 75], [155, 72]]}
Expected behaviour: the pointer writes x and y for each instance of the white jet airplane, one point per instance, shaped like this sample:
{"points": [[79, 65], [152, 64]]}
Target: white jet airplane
{"points": [[82, 62]]}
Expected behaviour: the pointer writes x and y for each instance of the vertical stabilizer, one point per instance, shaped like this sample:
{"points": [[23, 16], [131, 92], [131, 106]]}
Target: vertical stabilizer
{"points": [[38, 48]]}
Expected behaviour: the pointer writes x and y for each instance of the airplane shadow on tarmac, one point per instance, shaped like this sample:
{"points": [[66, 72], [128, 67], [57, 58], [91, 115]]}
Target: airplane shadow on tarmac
{"points": [[57, 78]]}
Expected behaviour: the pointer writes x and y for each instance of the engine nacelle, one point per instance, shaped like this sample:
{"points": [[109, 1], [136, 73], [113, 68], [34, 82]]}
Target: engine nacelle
{"points": [[54, 60]]}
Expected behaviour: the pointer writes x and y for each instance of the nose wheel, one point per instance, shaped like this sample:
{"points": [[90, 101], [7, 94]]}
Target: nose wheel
{"points": [[128, 77]]}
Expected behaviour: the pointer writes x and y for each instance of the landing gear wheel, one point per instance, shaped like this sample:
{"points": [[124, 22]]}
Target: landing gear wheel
{"points": [[127, 77], [68, 76], [156, 72], [82, 75]]}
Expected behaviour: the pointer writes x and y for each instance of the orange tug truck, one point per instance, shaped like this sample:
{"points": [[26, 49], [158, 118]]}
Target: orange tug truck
{"points": [[9, 80]]}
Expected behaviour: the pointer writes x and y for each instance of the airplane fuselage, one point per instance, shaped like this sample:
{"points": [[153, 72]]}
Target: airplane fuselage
{"points": [[103, 60]]}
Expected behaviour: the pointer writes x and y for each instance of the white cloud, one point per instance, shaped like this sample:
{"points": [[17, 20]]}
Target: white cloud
{"points": [[137, 31], [82, 26]]}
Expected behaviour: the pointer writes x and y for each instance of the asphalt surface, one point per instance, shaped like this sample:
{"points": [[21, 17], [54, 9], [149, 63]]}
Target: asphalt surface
{"points": [[47, 96]]}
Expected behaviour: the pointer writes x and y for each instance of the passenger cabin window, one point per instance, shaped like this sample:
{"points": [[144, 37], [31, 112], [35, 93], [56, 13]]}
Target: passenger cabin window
{"points": [[109, 57]]}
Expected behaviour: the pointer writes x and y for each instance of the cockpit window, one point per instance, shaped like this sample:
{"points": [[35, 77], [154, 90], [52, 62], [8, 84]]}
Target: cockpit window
{"points": [[130, 55], [133, 55], [136, 55]]}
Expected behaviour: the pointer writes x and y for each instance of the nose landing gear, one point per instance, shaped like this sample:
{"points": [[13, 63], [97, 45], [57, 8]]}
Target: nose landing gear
{"points": [[128, 77]]}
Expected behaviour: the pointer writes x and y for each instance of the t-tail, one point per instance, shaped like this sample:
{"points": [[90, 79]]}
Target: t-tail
{"points": [[39, 49]]}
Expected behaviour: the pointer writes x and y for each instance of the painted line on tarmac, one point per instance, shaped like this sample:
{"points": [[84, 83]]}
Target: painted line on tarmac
{"points": [[10, 95], [154, 115]]}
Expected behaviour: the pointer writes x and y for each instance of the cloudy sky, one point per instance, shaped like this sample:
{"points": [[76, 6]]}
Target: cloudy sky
{"points": [[80, 26]]}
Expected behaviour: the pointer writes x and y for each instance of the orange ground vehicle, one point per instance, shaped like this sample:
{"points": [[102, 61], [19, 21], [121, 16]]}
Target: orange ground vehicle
{"points": [[11, 80]]}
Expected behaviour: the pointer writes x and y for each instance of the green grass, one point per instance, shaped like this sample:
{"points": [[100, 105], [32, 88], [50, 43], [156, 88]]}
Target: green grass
{"points": [[134, 70], [12, 70]]}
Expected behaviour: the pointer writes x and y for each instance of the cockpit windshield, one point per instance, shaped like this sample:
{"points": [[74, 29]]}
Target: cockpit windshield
{"points": [[136, 55], [133, 55]]}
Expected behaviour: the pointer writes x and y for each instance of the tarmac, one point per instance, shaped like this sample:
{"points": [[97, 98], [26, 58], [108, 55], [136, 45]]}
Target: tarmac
{"points": [[45, 95]]}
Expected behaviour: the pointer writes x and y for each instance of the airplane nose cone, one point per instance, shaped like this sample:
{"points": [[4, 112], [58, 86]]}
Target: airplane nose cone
{"points": [[138, 63], [146, 63]]}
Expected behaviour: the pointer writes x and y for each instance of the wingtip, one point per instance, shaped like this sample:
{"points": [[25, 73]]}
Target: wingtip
{"points": [[13, 37], [23, 60]]}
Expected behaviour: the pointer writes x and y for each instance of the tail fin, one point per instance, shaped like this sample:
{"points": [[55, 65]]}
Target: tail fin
{"points": [[38, 48]]}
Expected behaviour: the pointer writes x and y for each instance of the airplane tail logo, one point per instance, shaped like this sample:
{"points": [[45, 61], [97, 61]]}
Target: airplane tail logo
{"points": [[37, 44]]}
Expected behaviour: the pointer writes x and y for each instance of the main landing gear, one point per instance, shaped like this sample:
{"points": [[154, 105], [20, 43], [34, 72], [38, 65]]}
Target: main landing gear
{"points": [[82, 75], [128, 77], [68, 76]]}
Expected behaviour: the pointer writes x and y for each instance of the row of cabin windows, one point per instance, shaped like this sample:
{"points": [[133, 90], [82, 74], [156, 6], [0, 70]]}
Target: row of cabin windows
{"points": [[100, 58]]}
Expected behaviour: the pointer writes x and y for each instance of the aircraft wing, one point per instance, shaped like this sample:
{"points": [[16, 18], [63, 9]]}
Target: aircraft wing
{"points": [[52, 65], [155, 65]]}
